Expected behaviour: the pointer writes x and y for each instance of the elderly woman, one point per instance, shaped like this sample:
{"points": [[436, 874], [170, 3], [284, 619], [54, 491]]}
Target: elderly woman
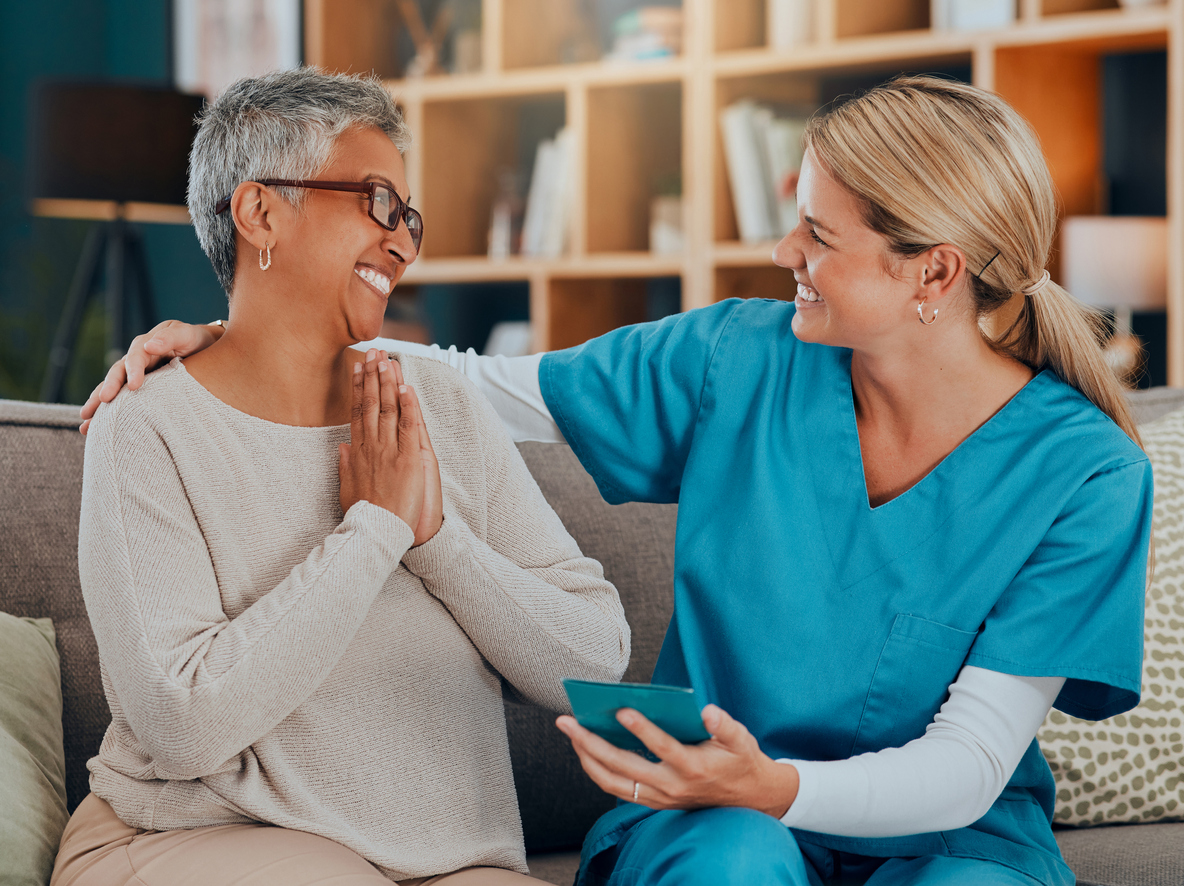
{"points": [[305, 675]]}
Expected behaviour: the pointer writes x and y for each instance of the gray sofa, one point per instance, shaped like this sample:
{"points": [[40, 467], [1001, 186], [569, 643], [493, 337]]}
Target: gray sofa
{"points": [[40, 487]]}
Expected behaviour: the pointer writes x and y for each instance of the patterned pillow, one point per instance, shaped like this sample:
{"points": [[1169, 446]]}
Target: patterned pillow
{"points": [[1130, 768]]}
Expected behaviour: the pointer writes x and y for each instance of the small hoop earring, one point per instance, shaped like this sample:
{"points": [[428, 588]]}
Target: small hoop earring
{"points": [[264, 267], [921, 315]]}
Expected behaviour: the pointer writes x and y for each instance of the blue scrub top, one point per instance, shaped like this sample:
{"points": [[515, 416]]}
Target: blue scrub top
{"points": [[831, 628]]}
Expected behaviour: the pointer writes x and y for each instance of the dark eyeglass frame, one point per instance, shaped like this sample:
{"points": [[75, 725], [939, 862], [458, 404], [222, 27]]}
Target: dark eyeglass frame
{"points": [[402, 211]]}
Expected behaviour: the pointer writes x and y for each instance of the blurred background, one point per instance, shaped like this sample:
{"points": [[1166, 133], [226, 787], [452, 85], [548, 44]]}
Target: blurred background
{"points": [[581, 164]]}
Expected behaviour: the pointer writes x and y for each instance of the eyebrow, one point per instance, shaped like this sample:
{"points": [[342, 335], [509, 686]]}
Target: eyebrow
{"points": [[390, 184], [816, 223]]}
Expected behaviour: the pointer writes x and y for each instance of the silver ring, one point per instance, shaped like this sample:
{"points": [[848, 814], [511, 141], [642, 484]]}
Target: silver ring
{"points": [[636, 787]]}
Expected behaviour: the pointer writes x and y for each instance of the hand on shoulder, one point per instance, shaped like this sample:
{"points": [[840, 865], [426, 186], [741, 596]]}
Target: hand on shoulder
{"points": [[166, 340]]}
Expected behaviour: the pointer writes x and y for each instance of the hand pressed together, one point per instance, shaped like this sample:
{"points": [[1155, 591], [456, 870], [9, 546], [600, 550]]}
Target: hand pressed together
{"points": [[389, 460], [728, 770]]}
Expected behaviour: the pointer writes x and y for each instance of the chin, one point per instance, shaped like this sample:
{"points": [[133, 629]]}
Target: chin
{"points": [[365, 330], [800, 328], [814, 333]]}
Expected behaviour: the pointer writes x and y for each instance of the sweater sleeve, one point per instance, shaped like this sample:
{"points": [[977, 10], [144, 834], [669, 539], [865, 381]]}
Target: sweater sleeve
{"points": [[517, 583], [197, 686], [944, 780]]}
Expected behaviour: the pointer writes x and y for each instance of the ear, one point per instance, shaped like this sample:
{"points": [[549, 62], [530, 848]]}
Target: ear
{"points": [[258, 214], [942, 269]]}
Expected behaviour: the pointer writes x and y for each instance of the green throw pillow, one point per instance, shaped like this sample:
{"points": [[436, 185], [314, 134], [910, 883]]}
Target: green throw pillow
{"points": [[1130, 768], [32, 761]]}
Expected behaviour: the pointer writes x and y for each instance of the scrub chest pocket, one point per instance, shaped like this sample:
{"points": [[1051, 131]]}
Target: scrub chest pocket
{"points": [[919, 661]]}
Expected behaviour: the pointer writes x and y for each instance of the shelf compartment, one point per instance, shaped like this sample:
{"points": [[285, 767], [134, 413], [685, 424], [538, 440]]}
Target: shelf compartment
{"points": [[743, 24], [581, 308], [859, 18], [466, 143], [754, 281], [335, 40], [536, 33], [740, 24], [364, 36], [1067, 116], [1065, 7], [634, 153]]}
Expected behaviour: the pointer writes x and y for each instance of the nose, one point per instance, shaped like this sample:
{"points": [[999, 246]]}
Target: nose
{"points": [[400, 245], [788, 254]]}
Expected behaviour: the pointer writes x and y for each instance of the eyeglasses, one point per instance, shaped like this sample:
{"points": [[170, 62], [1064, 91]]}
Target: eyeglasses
{"points": [[386, 207]]}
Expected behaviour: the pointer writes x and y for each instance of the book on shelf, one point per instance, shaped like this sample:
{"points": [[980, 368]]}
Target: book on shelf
{"points": [[647, 33], [548, 201], [763, 154], [971, 15]]}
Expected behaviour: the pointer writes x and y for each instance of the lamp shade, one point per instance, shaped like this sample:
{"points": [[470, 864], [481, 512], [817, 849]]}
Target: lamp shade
{"points": [[102, 141], [1118, 262]]}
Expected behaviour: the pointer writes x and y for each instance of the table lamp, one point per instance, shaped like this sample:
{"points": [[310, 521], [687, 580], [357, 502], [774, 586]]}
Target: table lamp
{"points": [[116, 154], [1117, 263]]}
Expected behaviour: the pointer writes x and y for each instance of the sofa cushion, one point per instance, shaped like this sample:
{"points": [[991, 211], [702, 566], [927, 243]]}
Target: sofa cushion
{"points": [[558, 868], [33, 786], [40, 497], [1130, 768], [1125, 855]]}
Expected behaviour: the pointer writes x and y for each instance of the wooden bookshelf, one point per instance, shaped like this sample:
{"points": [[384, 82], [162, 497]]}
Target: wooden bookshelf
{"points": [[638, 123]]}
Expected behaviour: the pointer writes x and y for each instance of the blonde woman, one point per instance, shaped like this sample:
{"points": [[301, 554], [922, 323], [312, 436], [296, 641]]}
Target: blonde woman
{"points": [[901, 540]]}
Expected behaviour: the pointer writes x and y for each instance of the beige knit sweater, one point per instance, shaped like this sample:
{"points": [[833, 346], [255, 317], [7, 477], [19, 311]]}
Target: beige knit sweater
{"points": [[266, 659]]}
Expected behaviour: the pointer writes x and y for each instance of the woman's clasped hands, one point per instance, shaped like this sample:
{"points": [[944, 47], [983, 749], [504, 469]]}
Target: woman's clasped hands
{"points": [[389, 460], [728, 770]]}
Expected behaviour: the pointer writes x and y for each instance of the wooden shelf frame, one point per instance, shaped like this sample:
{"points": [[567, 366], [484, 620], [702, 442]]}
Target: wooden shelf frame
{"points": [[724, 51]]}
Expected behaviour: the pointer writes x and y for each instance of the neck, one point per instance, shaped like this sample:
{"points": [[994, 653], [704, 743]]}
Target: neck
{"points": [[277, 365], [944, 378]]}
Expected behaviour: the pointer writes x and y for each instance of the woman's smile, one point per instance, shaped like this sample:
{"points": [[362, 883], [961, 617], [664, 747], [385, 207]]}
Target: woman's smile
{"points": [[375, 279], [807, 296]]}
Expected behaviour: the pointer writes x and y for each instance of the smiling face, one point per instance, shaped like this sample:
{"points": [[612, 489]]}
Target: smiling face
{"points": [[343, 265], [846, 295]]}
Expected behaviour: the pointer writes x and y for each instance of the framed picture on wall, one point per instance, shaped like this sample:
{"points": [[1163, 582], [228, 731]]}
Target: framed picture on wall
{"points": [[215, 42]]}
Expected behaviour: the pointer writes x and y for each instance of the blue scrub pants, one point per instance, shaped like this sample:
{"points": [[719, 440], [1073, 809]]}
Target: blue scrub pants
{"points": [[711, 847]]}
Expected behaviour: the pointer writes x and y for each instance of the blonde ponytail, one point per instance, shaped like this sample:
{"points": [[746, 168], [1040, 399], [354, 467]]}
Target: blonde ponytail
{"points": [[937, 161], [1054, 329]]}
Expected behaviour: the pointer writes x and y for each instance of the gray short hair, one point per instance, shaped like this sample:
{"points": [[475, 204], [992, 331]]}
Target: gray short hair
{"points": [[280, 125]]}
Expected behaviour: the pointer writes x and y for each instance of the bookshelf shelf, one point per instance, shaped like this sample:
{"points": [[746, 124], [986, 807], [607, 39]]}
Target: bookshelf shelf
{"points": [[478, 269], [639, 127]]}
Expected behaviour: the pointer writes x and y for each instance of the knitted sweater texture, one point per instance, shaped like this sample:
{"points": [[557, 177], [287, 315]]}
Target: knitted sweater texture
{"points": [[269, 659]]}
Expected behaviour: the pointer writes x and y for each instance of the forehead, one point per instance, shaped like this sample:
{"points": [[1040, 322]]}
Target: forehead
{"points": [[366, 152], [820, 195]]}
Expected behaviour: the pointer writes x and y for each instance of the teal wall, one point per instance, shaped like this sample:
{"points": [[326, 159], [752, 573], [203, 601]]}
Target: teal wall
{"points": [[85, 39]]}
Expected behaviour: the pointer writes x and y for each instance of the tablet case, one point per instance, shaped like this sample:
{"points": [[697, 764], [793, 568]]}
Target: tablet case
{"points": [[673, 709]]}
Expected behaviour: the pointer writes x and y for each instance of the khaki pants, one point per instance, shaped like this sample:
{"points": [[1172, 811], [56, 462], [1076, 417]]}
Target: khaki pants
{"points": [[98, 849]]}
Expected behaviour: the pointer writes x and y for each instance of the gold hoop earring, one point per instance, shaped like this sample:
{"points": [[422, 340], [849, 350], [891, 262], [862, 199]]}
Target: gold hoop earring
{"points": [[264, 267], [921, 315]]}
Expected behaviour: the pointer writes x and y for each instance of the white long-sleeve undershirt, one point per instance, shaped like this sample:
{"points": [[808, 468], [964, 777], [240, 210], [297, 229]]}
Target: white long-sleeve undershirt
{"points": [[946, 779], [511, 384]]}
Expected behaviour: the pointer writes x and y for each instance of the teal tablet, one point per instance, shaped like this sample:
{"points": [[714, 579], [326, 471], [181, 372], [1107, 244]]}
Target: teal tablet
{"points": [[675, 710]]}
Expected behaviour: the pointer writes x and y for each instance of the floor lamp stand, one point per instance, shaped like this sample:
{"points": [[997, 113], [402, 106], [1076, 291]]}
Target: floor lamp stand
{"points": [[116, 248]]}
